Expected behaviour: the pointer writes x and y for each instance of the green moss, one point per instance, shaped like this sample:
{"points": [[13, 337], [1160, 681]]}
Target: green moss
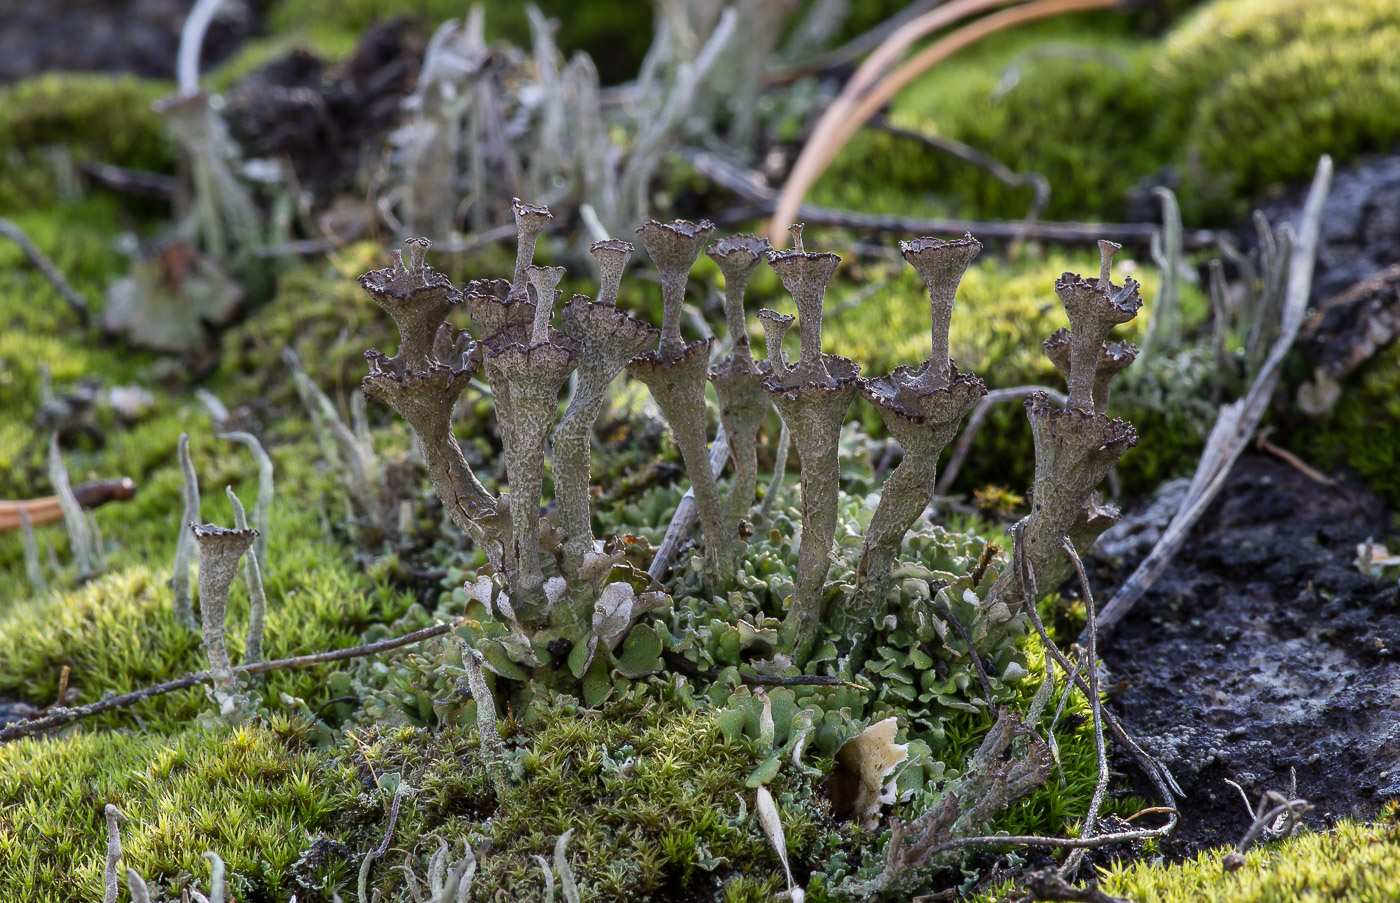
{"points": [[1363, 431], [1266, 125], [649, 792], [1356, 862], [94, 116], [117, 633], [615, 34], [1243, 95], [250, 794]]}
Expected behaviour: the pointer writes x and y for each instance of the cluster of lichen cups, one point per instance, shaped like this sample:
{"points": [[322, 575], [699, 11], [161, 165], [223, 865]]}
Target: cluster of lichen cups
{"points": [[527, 362]]}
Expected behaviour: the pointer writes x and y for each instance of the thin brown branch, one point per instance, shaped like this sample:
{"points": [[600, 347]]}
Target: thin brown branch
{"points": [[67, 716], [47, 510]]}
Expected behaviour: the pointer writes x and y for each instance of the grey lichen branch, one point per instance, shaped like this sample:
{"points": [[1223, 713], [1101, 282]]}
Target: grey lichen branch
{"points": [[737, 379], [417, 297], [1094, 306], [812, 397], [87, 555], [921, 407], [941, 265], [1011, 762], [425, 394], [530, 221], [184, 543], [262, 508], [220, 550], [533, 373], [115, 819], [676, 374], [257, 596], [493, 751], [1075, 445], [610, 338]]}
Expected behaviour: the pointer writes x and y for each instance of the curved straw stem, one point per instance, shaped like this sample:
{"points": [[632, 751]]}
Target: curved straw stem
{"points": [[867, 91]]}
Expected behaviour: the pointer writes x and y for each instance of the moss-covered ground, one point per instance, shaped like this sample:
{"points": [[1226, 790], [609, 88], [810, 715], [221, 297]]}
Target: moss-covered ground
{"points": [[656, 790]]}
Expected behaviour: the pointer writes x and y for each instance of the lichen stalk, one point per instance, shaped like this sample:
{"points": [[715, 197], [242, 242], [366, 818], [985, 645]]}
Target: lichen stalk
{"points": [[184, 543], [493, 751], [534, 375], [220, 550], [257, 596], [610, 338], [114, 852], [416, 297], [812, 397], [941, 265], [923, 421], [1094, 307], [530, 221], [33, 567], [262, 508], [676, 374], [674, 248], [85, 557], [737, 379]]}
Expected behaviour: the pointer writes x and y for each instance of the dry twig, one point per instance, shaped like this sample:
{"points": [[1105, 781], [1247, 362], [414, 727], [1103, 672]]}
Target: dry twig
{"points": [[1237, 421], [67, 716]]}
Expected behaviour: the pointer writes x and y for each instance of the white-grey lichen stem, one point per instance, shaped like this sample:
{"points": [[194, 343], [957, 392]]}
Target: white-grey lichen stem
{"points": [[216, 877], [79, 532], [33, 566], [257, 596], [493, 751], [262, 507], [137, 885], [543, 280], [775, 485], [114, 852], [220, 550], [184, 543]]}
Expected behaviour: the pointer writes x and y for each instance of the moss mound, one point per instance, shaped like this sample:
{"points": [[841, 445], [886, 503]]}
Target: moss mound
{"points": [[250, 794], [1242, 96]]}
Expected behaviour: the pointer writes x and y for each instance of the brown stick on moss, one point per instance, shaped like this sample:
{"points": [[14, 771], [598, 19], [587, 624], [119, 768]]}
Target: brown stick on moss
{"points": [[61, 717]]}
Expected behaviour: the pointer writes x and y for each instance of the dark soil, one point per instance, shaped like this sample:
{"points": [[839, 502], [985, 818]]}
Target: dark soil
{"points": [[1263, 649], [1360, 228], [137, 36]]}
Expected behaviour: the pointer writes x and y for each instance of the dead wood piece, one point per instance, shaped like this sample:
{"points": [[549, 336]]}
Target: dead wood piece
{"points": [[48, 509], [67, 716]]}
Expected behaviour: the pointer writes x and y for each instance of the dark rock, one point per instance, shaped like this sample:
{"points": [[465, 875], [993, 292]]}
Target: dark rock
{"points": [[1287, 662]]}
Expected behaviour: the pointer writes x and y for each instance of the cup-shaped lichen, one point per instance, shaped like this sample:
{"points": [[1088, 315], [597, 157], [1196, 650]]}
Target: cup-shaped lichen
{"points": [[530, 221], [534, 374], [416, 297], [921, 407], [611, 255], [1074, 450], [812, 397], [674, 248], [805, 275], [941, 264], [220, 550], [923, 421], [738, 256], [1094, 306], [676, 374], [610, 338], [738, 380], [1114, 357]]}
